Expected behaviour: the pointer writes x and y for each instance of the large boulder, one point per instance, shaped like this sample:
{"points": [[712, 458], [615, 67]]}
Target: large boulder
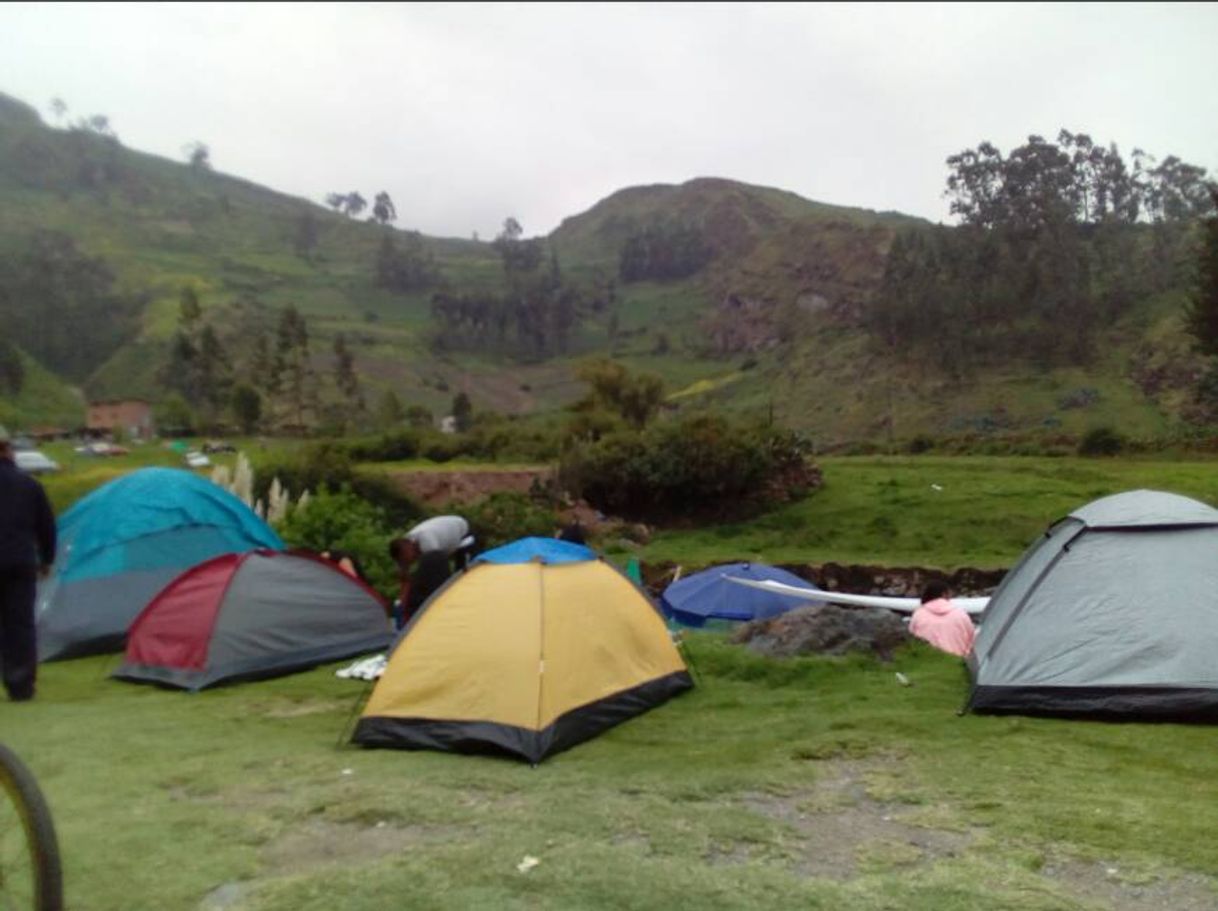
{"points": [[825, 630]]}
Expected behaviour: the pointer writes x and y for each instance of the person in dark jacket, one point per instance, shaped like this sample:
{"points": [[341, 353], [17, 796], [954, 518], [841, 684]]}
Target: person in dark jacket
{"points": [[421, 573], [27, 550]]}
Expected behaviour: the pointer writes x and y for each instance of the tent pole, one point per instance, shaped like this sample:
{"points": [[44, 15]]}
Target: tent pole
{"points": [[361, 698]]}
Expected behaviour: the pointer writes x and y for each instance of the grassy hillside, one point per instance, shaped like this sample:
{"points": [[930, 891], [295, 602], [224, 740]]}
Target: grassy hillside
{"points": [[837, 386], [44, 400], [769, 326]]}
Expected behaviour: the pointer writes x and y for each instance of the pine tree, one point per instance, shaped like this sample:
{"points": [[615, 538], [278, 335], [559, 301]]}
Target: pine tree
{"points": [[463, 412], [345, 376]]}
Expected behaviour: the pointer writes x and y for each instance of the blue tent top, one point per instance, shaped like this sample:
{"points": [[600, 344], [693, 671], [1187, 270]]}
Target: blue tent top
{"points": [[123, 525], [542, 550], [710, 595]]}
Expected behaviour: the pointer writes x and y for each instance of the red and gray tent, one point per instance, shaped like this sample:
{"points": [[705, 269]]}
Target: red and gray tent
{"points": [[251, 615]]}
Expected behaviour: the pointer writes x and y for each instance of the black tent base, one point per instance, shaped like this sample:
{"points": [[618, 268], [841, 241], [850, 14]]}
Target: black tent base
{"points": [[1126, 703], [533, 746]]}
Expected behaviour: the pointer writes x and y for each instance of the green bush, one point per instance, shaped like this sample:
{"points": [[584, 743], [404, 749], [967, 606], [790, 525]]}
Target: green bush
{"points": [[1101, 441], [506, 516], [699, 467], [442, 448], [309, 468], [329, 464], [388, 447], [346, 521]]}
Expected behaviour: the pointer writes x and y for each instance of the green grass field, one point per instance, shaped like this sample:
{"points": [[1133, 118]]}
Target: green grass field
{"points": [[815, 783], [811, 783], [935, 511]]}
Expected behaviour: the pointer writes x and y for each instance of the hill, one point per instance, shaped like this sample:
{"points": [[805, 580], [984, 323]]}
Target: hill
{"points": [[741, 297], [159, 226]]}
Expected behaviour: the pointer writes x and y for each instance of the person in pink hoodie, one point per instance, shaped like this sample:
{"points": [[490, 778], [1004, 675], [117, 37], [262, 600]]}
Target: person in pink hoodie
{"points": [[941, 623]]}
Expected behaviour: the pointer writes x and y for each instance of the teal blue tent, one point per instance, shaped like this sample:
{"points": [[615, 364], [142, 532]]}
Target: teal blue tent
{"points": [[124, 542]]}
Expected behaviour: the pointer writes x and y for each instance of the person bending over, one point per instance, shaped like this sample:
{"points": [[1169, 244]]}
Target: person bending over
{"points": [[422, 557]]}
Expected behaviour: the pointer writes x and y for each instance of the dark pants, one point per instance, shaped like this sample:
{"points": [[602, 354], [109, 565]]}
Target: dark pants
{"points": [[18, 652]]}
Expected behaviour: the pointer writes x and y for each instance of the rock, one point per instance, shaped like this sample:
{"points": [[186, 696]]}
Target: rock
{"points": [[825, 630]]}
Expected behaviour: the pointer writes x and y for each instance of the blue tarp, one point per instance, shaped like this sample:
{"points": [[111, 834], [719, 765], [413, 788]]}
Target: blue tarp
{"points": [[709, 595], [543, 550]]}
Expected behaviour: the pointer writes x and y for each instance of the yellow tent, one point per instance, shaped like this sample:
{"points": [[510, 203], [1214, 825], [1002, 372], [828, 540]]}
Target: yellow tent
{"points": [[535, 648]]}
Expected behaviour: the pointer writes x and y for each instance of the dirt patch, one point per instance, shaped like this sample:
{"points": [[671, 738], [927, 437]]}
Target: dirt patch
{"points": [[319, 842], [300, 708], [840, 829], [435, 488], [1121, 890]]}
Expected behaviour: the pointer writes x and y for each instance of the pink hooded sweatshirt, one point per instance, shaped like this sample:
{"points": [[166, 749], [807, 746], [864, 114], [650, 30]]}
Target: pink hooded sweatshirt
{"points": [[944, 626]]}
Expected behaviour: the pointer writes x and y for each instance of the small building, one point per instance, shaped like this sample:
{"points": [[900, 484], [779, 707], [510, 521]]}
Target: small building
{"points": [[132, 417]]}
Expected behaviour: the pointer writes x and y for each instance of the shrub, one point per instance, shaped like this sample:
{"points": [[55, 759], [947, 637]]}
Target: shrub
{"points": [[1101, 441], [441, 448], [506, 516], [309, 468], [346, 521], [388, 447], [703, 467], [329, 465]]}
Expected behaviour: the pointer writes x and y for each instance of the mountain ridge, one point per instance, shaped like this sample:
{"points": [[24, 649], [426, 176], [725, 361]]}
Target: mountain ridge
{"points": [[768, 321]]}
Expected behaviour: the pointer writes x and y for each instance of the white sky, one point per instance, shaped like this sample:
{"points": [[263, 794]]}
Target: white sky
{"points": [[467, 113]]}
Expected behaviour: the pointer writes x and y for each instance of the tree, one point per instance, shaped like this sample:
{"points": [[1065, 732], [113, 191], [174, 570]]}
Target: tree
{"points": [[420, 416], [383, 211], [59, 108], [634, 397], [198, 367], [181, 370], [345, 377], [664, 251], [246, 406], [174, 415], [12, 370], [198, 155], [292, 370], [389, 411], [354, 204], [259, 363], [1203, 307], [410, 267], [189, 308], [214, 372], [97, 123], [336, 201], [518, 255], [463, 412]]}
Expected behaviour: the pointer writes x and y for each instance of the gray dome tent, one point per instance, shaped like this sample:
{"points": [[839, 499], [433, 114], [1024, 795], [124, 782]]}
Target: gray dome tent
{"points": [[1113, 612]]}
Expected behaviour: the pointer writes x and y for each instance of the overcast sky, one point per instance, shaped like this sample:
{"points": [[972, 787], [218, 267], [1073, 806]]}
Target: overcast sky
{"points": [[467, 113]]}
